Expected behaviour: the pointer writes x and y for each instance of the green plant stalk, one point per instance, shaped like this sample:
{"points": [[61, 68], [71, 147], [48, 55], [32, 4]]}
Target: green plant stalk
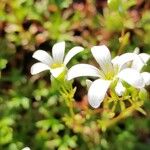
{"points": [[67, 93], [71, 107], [123, 115]]}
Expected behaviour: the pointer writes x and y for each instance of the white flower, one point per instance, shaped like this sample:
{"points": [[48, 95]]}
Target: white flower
{"points": [[137, 62], [55, 63], [110, 71]]}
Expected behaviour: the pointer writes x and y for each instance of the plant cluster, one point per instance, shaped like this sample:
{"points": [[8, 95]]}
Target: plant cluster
{"points": [[84, 101]]}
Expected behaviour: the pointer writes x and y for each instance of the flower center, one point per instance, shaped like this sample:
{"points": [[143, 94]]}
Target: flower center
{"points": [[56, 65], [109, 75]]}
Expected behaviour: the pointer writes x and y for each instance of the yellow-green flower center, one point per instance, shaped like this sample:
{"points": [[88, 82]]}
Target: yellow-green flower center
{"points": [[109, 75], [56, 65]]}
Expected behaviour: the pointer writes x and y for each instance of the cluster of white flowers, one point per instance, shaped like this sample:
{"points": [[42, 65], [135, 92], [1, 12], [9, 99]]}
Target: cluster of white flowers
{"points": [[126, 67]]}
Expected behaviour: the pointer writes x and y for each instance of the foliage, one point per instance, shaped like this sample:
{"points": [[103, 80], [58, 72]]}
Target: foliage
{"points": [[34, 114]]}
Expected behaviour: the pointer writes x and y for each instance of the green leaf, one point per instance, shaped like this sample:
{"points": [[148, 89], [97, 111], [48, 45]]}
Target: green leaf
{"points": [[120, 5], [3, 63], [5, 135], [114, 4], [143, 94]]}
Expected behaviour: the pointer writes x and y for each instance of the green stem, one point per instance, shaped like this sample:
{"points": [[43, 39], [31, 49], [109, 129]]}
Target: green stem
{"points": [[122, 45], [71, 109], [123, 115], [68, 93]]}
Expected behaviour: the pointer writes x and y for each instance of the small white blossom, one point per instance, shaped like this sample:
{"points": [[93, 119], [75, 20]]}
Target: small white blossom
{"points": [[109, 72], [137, 63], [55, 63]]}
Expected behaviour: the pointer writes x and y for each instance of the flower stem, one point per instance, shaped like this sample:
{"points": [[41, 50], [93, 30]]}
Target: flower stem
{"points": [[71, 109], [67, 94], [123, 114]]}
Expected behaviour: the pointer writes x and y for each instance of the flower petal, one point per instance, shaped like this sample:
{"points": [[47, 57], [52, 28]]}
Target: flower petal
{"points": [[123, 60], [81, 70], [58, 51], [132, 77], [71, 53], [146, 77], [57, 71], [88, 83], [138, 64], [145, 57], [120, 89], [97, 92], [39, 67], [103, 57], [136, 50], [43, 56]]}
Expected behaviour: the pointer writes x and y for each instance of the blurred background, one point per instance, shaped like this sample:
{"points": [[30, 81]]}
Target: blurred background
{"points": [[31, 111]]}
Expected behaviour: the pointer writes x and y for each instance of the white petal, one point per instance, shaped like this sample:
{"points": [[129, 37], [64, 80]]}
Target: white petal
{"points": [[88, 83], [116, 63], [136, 50], [115, 60], [97, 92], [146, 77], [71, 53], [123, 60], [81, 70], [103, 57], [132, 77], [43, 56], [145, 57], [138, 64], [58, 51], [57, 71], [120, 89], [39, 67]]}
